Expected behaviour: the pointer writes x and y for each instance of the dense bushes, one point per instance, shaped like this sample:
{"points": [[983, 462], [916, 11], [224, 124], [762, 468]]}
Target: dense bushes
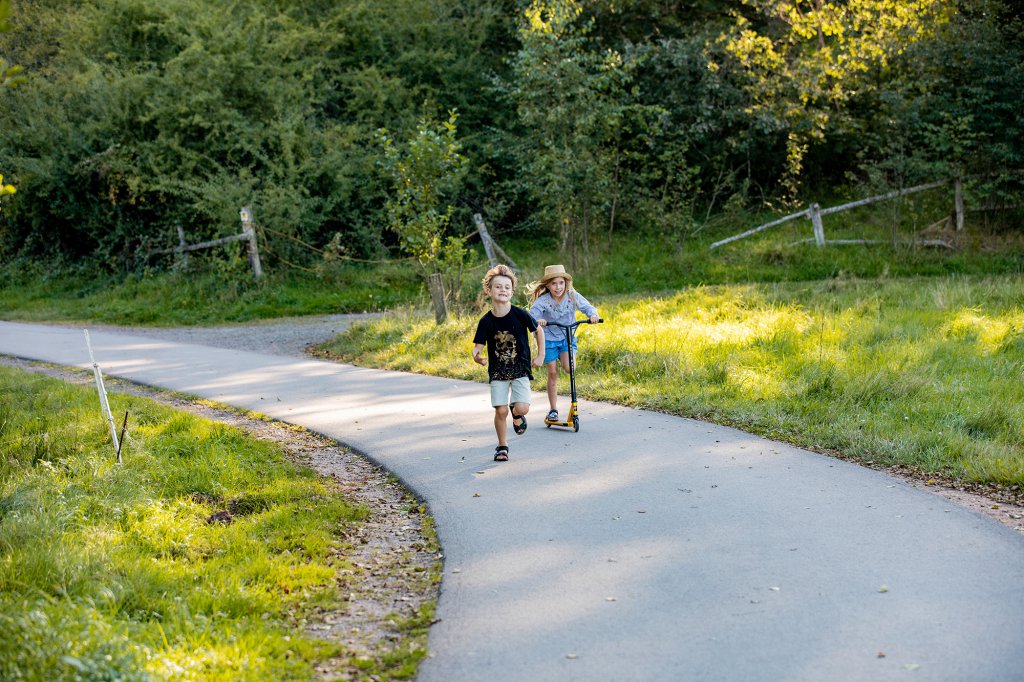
{"points": [[580, 119]]}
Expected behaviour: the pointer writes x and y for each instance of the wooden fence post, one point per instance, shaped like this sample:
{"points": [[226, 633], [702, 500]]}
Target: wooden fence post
{"points": [[819, 229], [104, 402], [250, 232], [435, 284], [492, 247], [958, 204], [182, 260], [485, 237]]}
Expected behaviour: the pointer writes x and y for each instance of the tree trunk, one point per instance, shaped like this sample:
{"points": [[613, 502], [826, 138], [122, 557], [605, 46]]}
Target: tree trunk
{"points": [[435, 284]]}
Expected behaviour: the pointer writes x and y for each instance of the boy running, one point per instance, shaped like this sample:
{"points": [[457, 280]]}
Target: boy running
{"points": [[504, 330]]}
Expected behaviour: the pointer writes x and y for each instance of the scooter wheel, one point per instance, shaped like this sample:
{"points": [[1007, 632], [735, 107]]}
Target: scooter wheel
{"points": [[575, 423]]}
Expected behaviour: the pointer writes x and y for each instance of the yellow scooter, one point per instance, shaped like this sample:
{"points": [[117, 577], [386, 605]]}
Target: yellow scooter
{"points": [[573, 418]]}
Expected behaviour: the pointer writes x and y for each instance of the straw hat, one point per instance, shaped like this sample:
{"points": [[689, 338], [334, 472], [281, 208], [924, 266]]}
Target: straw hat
{"points": [[553, 271]]}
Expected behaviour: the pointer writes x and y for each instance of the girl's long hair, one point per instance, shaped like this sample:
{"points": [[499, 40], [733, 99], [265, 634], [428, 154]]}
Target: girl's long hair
{"points": [[537, 289]]}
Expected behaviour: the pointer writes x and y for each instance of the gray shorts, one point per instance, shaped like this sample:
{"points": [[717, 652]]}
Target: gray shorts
{"points": [[519, 389]]}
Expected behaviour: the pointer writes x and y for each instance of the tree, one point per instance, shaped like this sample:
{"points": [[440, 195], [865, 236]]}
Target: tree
{"points": [[423, 172], [8, 78], [573, 104], [805, 59], [144, 114]]}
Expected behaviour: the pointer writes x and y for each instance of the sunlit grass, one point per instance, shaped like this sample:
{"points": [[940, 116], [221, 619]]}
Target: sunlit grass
{"points": [[118, 572], [927, 373]]}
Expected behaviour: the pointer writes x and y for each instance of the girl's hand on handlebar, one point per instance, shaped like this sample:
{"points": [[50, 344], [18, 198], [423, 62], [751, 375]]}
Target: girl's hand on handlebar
{"points": [[594, 319]]}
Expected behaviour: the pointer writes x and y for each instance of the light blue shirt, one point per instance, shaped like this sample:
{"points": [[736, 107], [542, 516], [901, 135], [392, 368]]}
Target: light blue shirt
{"points": [[545, 308]]}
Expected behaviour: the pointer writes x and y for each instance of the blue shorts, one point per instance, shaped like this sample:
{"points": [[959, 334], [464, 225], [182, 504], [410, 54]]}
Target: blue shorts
{"points": [[552, 349]]}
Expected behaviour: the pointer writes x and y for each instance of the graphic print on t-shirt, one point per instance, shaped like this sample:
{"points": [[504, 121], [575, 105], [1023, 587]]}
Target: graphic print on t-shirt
{"points": [[508, 346], [505, 346]]}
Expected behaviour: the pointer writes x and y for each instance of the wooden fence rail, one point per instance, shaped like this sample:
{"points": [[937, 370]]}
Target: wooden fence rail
{"points": [[815, 213], [491, 247], [185, 248], [248, 234]]}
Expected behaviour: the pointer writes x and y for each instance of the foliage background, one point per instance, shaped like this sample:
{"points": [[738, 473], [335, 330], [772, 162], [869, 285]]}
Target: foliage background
{"points": [[582, 120]]}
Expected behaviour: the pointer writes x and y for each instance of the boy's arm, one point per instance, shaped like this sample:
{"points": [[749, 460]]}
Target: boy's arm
{"points": [[478, 356], [538, 360]]}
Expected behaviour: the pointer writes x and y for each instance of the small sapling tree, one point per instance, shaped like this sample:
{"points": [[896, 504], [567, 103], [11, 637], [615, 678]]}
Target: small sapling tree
{"points": [[424, 171]]}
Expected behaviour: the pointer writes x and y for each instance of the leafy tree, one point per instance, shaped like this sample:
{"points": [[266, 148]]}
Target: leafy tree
{"points": [[946, 107], [8, 78], [424, 171], [573, 108], [145, 114], [805, 59], [588, 117], [8, 73]]}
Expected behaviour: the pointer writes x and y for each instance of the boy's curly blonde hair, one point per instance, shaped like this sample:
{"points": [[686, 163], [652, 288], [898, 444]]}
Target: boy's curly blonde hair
{"points": [[500, 270]]}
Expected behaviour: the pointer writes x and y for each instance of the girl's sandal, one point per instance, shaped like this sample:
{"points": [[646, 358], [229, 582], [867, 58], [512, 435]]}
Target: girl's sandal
{"points": [[501, 453]]}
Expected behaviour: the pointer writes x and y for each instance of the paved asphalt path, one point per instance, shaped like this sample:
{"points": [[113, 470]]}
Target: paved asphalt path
{"points": [[644, 547]]}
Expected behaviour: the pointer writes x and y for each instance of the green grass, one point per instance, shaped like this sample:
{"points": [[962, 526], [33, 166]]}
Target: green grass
{"points": [[113, 571], [921, 372], [206, 295], [912, 352], [648, 263]]}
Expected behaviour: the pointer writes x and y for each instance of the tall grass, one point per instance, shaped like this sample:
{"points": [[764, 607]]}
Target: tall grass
{"points": [[641, 262], [923, 372], [121, 572]]}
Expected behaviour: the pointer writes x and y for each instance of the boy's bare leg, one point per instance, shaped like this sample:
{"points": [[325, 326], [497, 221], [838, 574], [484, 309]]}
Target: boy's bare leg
{"points": [[501, 423]]}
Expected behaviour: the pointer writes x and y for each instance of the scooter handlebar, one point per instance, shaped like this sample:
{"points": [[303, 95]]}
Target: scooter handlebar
{"points": [[574, 324]]}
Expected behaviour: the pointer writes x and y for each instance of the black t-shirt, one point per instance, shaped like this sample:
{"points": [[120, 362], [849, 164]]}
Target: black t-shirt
{"points": [[508, 343]]}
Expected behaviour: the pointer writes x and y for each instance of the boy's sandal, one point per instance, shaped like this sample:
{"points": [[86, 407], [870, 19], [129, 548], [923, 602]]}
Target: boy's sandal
{"points": [[518, 428], [552, 416], [501, 453]]}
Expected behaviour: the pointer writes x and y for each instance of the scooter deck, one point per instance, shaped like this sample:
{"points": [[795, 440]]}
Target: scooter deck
{"points": [[572, 421]]}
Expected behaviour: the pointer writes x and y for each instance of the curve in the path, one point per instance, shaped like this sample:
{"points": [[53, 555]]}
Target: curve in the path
{"points": [[644, 547]]}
